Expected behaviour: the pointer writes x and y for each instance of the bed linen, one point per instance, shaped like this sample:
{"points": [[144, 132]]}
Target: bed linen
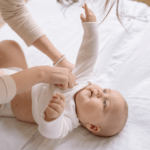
{"points": [[123, 64]]}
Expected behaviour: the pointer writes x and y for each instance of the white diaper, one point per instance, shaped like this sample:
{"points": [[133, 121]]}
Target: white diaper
{"points": [[6, 111], [9, 71]]}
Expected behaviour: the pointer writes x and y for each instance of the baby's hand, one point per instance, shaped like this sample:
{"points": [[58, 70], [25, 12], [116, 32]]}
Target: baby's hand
{"points": [[55, 107], [90, 17]]}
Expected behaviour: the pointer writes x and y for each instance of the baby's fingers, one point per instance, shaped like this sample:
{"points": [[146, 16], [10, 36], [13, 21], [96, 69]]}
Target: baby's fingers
{"points": [[82, 18], [52, 112], [59, 102], [86, 9], [56, 107], [60, 95]]}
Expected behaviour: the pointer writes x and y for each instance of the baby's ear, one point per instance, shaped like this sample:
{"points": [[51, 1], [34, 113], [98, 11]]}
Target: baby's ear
{"points": [[93, 128]]}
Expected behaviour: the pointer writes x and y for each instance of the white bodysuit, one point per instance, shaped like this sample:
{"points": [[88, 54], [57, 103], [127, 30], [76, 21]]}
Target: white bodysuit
{"points": [[42, 93]]}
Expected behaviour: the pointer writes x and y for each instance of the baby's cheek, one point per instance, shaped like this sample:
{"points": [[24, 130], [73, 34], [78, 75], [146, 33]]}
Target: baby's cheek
{"points": [[93, 112], [93, 106]]}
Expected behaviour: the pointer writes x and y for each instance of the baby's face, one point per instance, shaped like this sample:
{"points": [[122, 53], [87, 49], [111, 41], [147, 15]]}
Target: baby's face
{"points": [[98, 106]]}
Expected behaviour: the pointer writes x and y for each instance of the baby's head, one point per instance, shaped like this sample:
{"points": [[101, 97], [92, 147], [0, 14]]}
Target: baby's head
{"points": [[104, 112]]}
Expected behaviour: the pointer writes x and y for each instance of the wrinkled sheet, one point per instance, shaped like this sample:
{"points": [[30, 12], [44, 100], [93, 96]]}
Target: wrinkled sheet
{"points": [[123, 64]]}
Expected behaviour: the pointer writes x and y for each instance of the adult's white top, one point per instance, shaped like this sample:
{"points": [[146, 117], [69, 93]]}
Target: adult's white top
{"points": [[42, 93]]}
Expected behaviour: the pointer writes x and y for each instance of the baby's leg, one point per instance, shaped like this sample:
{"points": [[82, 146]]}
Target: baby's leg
{"points": [[11, 55]]}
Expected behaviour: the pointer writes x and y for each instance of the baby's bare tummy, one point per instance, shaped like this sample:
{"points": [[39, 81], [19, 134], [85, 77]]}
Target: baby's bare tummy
{"points": [[22, 106]]}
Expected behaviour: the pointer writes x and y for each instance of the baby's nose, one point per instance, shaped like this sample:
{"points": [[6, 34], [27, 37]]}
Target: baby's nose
{"points": [[100, 93], [95, 93]]}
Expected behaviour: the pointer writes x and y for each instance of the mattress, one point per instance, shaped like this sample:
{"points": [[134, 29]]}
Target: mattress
{"points": [[123, 64]]}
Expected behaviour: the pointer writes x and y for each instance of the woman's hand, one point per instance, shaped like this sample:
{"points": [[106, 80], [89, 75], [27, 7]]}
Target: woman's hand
{"points": [[89, 15], [55, 107], [62, 77], [66, 64], [44, 44]]}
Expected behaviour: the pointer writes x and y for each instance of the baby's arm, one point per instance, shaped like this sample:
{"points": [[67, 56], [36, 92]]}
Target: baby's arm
{"points": [[88, 51], [55, 125], [55, 107]]}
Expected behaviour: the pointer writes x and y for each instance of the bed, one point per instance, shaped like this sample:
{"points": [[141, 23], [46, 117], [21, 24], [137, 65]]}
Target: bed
{"points": [[123, 64]]}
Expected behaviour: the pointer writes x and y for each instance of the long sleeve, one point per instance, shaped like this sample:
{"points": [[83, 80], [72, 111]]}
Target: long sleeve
{"points": [[16, 14], [7, 89], [86, 59], [57, 128], [88, 52]]}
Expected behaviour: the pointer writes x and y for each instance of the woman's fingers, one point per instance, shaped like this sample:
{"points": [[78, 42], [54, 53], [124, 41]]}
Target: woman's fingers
{"points": [[68, 82], [61, 77], [72, 81]]}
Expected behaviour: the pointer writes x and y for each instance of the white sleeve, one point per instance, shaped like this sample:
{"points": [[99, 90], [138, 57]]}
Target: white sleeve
{"points": [[88, 52], [16, 14], [57, 128], [7, 89]]}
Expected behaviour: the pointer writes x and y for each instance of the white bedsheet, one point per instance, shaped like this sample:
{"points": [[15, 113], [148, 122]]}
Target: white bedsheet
{"points": [[123, 64]]}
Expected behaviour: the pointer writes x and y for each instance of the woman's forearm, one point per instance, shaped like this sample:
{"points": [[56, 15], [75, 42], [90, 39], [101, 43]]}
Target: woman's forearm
{"points": [[27, 78], [45, 45], [43, 74]]}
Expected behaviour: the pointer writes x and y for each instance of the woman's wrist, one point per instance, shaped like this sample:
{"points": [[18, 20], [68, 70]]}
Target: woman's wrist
{"points": [[27, 78], [66, 64], [45, 46], [58, 60], [40, 71]]}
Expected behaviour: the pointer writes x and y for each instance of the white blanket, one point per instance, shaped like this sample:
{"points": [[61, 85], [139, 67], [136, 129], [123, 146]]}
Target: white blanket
{"points": [[123, 64]]}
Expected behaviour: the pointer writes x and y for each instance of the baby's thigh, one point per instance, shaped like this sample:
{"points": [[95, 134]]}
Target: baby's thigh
{"points": [[22, 106], [11, 55]]}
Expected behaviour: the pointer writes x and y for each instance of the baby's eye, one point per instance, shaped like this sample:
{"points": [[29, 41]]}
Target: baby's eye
{"points": [[104, 91], [104, 103]]}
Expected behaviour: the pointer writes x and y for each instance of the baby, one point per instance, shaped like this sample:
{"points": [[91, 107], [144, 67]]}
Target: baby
{"points": [[103, 112]]}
